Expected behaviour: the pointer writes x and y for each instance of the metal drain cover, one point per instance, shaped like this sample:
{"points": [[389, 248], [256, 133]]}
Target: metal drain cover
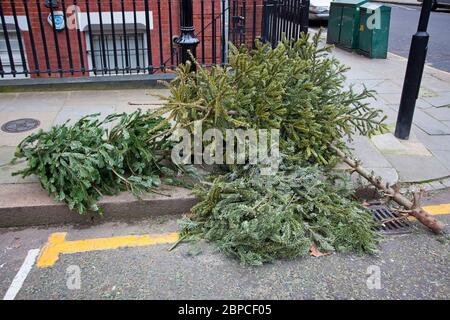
{"points": [[391, 222], [20, 125]]}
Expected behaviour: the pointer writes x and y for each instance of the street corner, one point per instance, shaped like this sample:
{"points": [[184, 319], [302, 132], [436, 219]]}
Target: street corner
{"points": [[208, 151]]}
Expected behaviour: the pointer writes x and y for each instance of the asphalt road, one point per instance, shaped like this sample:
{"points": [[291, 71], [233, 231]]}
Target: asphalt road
{"points": [[404, 21], [411, 266]]}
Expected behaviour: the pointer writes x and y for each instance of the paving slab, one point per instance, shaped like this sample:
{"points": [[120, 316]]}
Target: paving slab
{"points": [[6, 154], [142, 96], [46, 119], [391, 98], [437, 80], [6, 98], [104, 98], [130, 108], [432, 142], [391, 115], [364, 150], [76, 112], [7, 170], [446, 182], [441, 100], [37, 102], [422, 104], [442, 113], [443, 156], [417, 168], [387, 86], [388, 144], [389, 175], [429, 124], [427, 92]]}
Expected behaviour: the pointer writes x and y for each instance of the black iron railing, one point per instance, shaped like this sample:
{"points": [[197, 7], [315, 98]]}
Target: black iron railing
{"points": [[76, 38]]}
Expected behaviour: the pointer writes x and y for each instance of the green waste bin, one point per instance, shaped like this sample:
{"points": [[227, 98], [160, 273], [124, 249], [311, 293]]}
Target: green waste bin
{"points": [[343, 23], [374, 30]]}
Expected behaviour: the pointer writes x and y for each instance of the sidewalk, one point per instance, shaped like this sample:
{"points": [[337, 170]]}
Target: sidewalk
{"points": [[52, 108], [24, 203], [424, 159]]}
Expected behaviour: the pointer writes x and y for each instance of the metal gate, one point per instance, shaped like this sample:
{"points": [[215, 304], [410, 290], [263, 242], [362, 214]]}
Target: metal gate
{"points": [[284, 18]]}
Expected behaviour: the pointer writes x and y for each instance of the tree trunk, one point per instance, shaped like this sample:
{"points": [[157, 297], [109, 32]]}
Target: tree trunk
{"points": [[412, 207]]}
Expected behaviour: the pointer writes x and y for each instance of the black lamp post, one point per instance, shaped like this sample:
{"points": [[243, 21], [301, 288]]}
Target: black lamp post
{"points": [[187, 41], [413, 76]]}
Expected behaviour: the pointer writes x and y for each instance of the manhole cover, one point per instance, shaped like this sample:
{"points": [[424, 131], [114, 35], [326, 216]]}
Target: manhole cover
{"points": [[20, 125], [391, 222]]}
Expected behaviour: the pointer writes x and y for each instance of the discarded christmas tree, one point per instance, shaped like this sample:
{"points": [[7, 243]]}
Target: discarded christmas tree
{"points": [[298, 88], [80, 163]]}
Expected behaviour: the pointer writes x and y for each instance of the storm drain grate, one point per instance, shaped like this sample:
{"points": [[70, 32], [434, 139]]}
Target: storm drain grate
{"points": [[20, 125], [391, 222]]}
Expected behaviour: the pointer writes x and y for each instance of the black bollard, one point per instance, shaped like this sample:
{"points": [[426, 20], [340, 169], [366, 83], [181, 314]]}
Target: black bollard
{"points": [[413, 76]]}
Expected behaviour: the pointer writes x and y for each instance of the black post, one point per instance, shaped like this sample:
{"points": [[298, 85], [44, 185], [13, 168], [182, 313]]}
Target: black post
{"points": [[413, 76], [305, 17], [187, 41]]}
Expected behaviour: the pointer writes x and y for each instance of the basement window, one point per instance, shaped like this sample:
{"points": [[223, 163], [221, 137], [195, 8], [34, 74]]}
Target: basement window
{"points": [[130, 53], [17, 59]]}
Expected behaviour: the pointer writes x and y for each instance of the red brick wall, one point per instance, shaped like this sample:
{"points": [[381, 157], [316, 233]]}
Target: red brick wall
{"points": [[207, 34], [162, 23]]}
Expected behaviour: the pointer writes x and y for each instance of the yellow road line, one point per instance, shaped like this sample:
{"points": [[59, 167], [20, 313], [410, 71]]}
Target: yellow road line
{"points": [[57, 245], [438, 209]]}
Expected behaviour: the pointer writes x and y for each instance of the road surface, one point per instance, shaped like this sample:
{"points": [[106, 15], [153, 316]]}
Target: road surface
{"points": [[410, 266], [404, 20]]}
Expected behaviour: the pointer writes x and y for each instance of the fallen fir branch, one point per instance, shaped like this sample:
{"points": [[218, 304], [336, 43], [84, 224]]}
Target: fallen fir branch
{"points": [[412, 208], [298, 212], [80, 163]]}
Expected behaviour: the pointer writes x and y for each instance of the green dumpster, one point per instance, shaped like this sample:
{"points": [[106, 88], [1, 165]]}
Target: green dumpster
{"points": [[343, 23], [374, 30]]}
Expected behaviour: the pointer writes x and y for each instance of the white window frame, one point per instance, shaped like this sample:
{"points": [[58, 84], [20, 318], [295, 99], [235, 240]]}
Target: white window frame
{"points": [[118, 24], [144, 65], [17, 62]]}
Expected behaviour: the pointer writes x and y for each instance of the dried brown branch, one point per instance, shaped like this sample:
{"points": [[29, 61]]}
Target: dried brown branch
{"points": [[413, 208]]}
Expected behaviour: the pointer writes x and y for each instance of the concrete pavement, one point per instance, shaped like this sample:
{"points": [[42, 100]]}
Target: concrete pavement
{"points": [[23, 202], [425, 157]]}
